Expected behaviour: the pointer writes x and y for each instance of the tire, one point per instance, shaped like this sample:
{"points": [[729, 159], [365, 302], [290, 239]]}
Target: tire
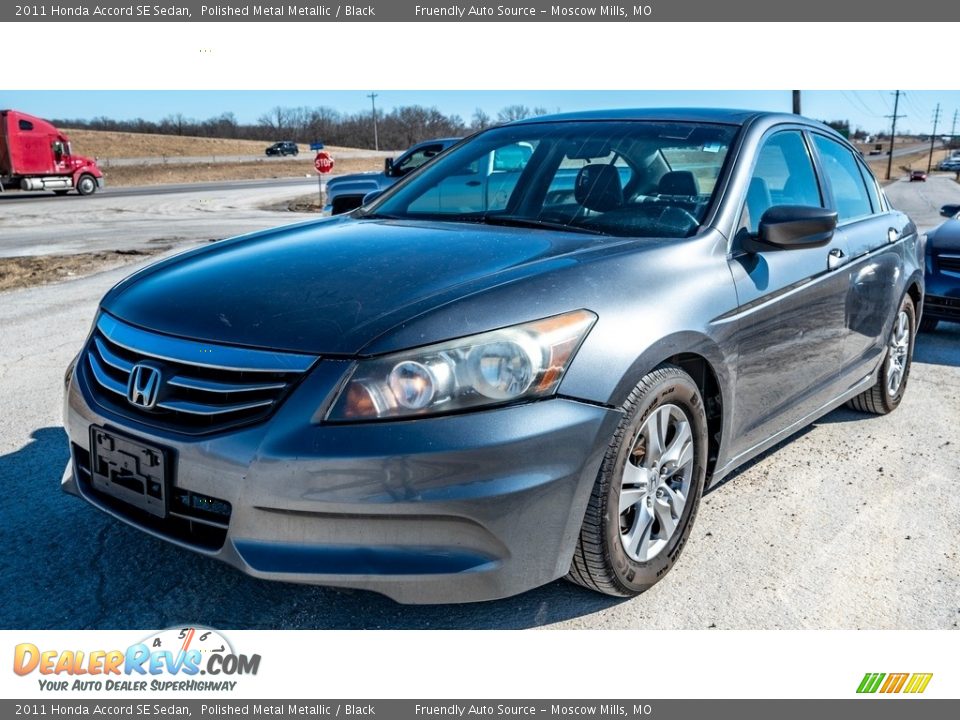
{"points": [[86, 185], [666, 398], [929, 324], [885, 396]]}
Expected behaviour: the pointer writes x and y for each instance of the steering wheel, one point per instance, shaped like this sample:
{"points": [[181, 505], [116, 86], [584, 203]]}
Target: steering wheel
{"points": [[673, 216]]}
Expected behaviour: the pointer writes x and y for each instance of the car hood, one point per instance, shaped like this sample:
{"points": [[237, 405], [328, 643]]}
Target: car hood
{"points": [[945, 238], [364, 177], [330, 287]]}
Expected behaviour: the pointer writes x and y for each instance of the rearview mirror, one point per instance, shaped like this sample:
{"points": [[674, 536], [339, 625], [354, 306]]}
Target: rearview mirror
{"points": [[388, 167], [791, 227], [371, 196], [949, 210]]}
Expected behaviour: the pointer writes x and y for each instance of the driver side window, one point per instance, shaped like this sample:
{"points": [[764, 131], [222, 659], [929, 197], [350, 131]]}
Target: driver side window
{"points": [[783, 175]]}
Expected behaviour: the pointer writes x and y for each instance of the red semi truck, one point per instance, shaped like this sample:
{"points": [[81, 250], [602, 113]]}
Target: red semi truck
{"points": [[34, 155]]}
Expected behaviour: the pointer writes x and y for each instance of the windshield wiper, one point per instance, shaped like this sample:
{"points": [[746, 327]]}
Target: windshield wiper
{"points": [[516, 221], [377, 216]]}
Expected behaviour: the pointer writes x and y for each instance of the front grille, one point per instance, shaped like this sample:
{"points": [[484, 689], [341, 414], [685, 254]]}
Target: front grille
{"points": [[950, 263], [942, 307], [201, 387], [192, 518]]}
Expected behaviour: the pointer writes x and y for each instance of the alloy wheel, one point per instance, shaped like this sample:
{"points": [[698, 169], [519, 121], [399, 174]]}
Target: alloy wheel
{"points": [[899, 348], [656, 483]]}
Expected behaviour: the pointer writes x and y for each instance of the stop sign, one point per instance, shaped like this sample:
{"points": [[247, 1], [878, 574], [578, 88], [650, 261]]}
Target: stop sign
{"points": [[323, 162]]}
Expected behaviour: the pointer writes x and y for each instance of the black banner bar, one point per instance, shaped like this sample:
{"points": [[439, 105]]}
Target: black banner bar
{"points": [[867, 708], [865, 11]]}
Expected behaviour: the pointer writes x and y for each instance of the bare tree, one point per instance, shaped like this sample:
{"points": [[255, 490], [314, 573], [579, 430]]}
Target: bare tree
{"points": [[513, 112]]}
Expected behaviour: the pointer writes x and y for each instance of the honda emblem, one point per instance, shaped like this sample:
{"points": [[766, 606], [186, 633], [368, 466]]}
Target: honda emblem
{"points": [[143, 387]]}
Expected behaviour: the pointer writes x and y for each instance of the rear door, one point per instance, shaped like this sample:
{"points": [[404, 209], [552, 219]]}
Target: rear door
{"points": [[870, 231], [791, 303]]}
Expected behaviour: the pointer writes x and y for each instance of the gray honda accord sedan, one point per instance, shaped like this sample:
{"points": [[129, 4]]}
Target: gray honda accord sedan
{"points": [[524, 361]]}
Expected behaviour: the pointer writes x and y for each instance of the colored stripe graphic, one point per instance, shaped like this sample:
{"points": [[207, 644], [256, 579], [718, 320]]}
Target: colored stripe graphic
{"points": [[918, 682], [870, 683], [895, 683]]}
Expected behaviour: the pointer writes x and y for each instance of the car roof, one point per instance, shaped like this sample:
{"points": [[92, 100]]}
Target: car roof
{"points": [[725, 116], [444, 141]]}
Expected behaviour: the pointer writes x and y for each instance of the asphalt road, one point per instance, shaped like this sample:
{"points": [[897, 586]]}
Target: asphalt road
{"points": [[923, 200], [136, 218], [853, 523]]}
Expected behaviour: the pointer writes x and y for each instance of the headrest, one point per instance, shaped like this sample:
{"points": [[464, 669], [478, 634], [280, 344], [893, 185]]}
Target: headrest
{"points": [[598, 188], [758, 200], [678, 182]]}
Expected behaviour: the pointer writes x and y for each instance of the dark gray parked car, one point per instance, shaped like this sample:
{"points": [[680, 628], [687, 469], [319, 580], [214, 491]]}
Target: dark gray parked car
{"points": [[468, 389]]}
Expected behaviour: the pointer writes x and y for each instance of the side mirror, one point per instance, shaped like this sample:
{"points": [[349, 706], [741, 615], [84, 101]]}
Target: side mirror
{"points": [[949, 210], [388, 167], [792, 227], [371, 196]]}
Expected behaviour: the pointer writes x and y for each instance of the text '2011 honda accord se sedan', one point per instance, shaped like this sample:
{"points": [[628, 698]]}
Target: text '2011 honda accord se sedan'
{"points": [[524, 361]]}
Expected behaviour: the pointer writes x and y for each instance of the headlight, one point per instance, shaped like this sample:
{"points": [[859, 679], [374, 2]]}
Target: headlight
{"points": [[516, 363]]}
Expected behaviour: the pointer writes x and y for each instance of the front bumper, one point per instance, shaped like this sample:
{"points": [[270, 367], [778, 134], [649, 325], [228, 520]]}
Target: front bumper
{"points": [[942, 294], [461, 508]]}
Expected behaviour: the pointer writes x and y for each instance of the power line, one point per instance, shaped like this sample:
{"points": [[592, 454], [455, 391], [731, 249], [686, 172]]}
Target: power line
{"points": [[914, 105], [884, 99], [893, 130], [373, 104], [866, 107], [933, 135]]}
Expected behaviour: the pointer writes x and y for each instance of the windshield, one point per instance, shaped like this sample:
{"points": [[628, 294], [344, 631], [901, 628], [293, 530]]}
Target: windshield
{"points": [[626, 178]]}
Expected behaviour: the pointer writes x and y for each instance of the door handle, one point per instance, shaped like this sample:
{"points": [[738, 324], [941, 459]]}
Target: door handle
{"points": [[835, 258], [473, 183], [893, 235]]}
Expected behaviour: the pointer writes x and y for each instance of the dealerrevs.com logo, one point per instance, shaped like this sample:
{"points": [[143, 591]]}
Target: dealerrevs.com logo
{"points": [[911, 683], [173, 659]]}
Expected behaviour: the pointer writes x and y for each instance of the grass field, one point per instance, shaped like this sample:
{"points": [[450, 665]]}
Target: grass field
{"points": [[106, 144], [128, 175], [904, 164]]}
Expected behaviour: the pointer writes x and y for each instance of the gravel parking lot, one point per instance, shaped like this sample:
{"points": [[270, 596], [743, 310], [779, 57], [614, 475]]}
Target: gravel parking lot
{"points": [[853, 523]]}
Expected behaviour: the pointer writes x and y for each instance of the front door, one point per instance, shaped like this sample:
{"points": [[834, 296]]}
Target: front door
{"points": [[790, 325]]}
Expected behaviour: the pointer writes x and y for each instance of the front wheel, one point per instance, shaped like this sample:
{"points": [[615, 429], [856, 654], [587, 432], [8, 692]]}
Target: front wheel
{"points": [[885, 396], [86, 185], [646, 496]]}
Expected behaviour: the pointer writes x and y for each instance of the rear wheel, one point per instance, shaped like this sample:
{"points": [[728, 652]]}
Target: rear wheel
{"points": [[885, 396], [86, 185], [648, 490]]}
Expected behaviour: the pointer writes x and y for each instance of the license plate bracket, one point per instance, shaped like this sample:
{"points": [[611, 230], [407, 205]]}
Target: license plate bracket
{"points": [[129, 470]]}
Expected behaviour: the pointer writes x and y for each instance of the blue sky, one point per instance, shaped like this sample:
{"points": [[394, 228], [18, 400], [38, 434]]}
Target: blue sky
{"points": [[863, 108]]}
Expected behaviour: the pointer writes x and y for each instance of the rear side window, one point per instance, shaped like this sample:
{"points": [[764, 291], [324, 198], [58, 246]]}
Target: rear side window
{"points": [[846, 181], [25, 125], [783, 175]]}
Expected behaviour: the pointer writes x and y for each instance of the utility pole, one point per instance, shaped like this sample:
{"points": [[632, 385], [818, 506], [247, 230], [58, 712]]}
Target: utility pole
{"points": [[893, 130], [933, 136], [373, 104], [953, 130], [796, 102]]}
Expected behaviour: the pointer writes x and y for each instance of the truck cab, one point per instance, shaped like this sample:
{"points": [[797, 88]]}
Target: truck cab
{"points": [[35, 155], [346, 192]]}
